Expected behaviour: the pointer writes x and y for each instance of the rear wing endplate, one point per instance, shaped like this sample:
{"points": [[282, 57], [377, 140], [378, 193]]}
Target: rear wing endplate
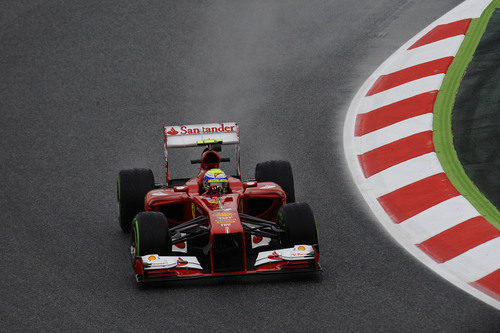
{"points": [[197, 135]]}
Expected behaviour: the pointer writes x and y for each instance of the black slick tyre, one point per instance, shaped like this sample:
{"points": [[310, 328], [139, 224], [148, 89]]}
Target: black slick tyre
{"points": [[150, 235], [297, 221], [132, 186], [279, 172]]}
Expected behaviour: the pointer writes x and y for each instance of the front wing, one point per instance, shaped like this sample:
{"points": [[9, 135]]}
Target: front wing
{"points": [[300, 258]]}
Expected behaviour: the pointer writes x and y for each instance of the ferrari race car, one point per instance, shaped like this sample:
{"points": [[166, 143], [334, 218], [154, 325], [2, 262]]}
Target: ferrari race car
{"points": [[184, 229]]}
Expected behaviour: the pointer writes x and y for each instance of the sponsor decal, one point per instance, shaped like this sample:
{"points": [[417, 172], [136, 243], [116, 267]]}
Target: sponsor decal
{"points": [[181, 262], [152, 258], [158, 263], [274, 256], [301, 248], [226, 218], [227, 230], [180, 245], [226, 221], [224, 214], [257, 239], [225, 225], [268, 186], [214, 129], [172, 131]]}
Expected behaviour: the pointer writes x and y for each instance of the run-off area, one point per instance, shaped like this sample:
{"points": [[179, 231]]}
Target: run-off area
{"points": [[476, 117]]}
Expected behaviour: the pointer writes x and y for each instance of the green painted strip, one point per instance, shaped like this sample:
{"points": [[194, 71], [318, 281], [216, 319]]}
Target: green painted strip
{"points": [[443, 136], [137, 237]]}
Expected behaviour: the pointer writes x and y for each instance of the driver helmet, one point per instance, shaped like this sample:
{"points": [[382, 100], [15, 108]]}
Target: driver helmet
{"points": [[215, 177]]}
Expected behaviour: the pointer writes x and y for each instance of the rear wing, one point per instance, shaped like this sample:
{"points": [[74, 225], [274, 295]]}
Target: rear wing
{"points": [[199, 135]]}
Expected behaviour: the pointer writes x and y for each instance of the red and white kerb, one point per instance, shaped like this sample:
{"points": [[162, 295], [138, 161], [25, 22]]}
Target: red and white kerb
{"points": [[388, 139]]}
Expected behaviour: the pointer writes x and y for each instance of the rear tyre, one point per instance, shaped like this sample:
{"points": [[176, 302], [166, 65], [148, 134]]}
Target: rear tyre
{"points": [[132, 186], [150, 235], [299, 225], [279, 172]]}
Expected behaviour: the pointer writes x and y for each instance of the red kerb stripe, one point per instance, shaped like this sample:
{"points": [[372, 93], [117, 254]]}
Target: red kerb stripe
{"points": [[490, 284], [386, 156], [443, 31], [395, 112], [412, 199], [409, 74], [459, 239]]}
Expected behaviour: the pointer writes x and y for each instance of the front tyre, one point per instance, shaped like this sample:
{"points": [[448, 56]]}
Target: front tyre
{"points": [[132, 186], [150, 235], [297, 221]]}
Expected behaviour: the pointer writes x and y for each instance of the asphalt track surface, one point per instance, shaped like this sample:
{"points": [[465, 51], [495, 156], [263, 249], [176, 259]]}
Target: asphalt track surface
{"points": [[85, 87]]}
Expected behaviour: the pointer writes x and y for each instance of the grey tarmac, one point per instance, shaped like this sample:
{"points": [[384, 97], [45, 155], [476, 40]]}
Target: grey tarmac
{"points": [[85, 88]]}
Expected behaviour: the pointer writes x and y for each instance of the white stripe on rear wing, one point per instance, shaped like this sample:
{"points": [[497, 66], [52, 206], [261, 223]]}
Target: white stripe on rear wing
{"points": [[191, 135], [194, 135]]}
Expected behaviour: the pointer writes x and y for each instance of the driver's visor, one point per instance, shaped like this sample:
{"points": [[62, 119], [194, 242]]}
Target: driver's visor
{"points": [[220, 182]]}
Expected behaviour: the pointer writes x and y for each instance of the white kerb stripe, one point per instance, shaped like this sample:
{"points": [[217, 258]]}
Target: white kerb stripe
{"points": [[403, 174], [404, 91], [393, 133], [477, 262], [443, 48], [438, 218], [467, 9]]}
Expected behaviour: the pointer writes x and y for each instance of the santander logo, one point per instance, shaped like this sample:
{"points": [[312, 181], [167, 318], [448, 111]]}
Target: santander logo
{"points": [[181, 262], [274, 256], [218, 128], [172, 131]]}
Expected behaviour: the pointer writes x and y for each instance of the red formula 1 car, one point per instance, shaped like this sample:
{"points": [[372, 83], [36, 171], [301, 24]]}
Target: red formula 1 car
{"points": [[182, 230]]}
